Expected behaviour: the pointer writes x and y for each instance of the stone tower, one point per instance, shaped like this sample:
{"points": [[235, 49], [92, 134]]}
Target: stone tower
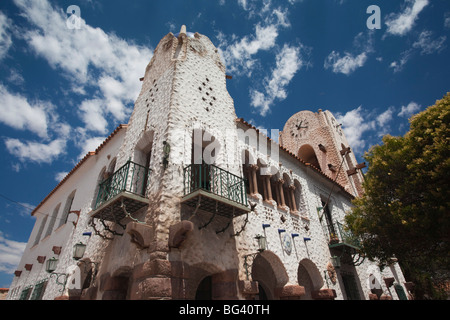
{"points": [[319, 140], [183, 116]]}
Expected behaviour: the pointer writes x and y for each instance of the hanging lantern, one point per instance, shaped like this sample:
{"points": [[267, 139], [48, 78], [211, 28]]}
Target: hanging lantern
{"points": [[51, 265], [78, 250], [336, 261], [262, 243]]}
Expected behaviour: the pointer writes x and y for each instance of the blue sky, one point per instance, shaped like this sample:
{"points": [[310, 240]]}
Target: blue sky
{"points": [[63, 90]]}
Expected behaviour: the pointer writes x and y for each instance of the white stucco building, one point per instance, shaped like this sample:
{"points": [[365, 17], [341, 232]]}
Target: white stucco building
{"points": [[187, 201]]}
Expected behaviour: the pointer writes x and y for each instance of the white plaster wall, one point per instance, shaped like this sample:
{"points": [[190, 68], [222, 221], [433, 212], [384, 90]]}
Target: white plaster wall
{"points": [[84, 181]]}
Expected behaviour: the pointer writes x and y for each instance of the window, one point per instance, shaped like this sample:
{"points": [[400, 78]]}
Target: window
{"points": [[41, 229], [68, 206], [52, 220], [39, 290], [25, 294], [306, 152]]}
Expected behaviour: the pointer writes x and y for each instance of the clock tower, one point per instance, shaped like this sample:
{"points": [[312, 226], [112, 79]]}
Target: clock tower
{"points": [[318, 139]]}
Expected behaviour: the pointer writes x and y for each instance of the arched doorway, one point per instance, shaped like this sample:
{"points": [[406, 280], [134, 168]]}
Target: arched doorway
{"points": [[269, 272], [211, 285], [309, 277], [204, 289]]}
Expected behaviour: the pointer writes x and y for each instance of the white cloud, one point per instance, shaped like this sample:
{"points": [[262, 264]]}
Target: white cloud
{"points": [[60, 175], [447, 20], [427, 45], [38, 117], [401, 23], [288, 62], [240, 53], [354, 126], [409, 110], [350, 62], [86, 143], [118, 64], [238, 56], [18, 113], [5, 36], [398, 65], [384, 118], [346, 64], [92, 114], [35, 151], [10, 253]]}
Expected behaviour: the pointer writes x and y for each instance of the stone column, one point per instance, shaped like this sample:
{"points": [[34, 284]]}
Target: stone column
{"points": [[292, 194], [253, 182], [280, 188], [268, 187], [224, 285]]}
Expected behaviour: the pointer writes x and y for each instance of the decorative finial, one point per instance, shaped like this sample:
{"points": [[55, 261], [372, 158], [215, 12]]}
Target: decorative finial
{"points": [[183, 30]]}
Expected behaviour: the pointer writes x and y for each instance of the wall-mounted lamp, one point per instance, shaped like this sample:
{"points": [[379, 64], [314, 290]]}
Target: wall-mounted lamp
{"points": [[50, 267], [51, 264], [262, 242], [78, 253], [336, 261], [78, 250]]}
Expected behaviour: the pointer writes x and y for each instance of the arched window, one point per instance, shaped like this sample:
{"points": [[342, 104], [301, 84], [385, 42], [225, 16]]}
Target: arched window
{"points": [[306, 152], [41, 229], [143, 157], [205, 147], [287, 191], [52, 220], [67, 207], [204, 152], [97, 196]]}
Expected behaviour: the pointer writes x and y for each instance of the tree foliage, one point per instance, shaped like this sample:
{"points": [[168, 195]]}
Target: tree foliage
{"points": [[404, 212]]}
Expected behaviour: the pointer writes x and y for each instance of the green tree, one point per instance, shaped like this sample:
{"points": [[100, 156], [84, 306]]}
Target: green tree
{"points": [[404, 212]]}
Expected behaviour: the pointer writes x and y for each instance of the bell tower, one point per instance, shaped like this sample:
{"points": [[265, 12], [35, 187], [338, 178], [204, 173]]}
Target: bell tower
{"points": [[182, 133], [318, 139]]}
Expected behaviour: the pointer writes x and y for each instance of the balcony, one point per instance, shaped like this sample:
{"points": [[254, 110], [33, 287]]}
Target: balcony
{"points": [[121, 193], [340, 237], [215, 190]]}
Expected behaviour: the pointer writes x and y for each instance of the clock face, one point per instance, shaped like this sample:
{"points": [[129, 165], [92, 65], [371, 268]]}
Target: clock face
{"points": [[287, 244], [299, 129]]}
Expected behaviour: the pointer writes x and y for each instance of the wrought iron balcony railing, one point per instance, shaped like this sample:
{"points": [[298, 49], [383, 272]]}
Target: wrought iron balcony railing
{"points": [[217, 184], [131, 177], [340, 236]]}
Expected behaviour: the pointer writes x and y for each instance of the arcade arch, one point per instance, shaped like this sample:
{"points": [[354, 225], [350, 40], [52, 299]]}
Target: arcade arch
{"points": [[307, 153]]}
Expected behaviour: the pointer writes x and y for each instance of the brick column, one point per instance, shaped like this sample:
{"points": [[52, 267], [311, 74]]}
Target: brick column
{"points": [[268, 188], [224, 285], [253, 182], [292, 195], [280, 189]]}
